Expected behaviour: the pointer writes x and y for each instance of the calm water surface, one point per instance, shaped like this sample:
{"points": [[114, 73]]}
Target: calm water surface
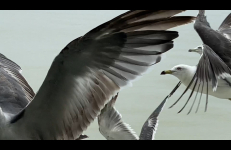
{"points": [[33, 38]]}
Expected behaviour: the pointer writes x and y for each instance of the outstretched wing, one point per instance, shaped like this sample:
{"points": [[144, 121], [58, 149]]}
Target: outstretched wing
{"points": [[209, 69], [225, 27], [215, 40], [111, 125], [15, 92], [150, 126], [92, 69]]}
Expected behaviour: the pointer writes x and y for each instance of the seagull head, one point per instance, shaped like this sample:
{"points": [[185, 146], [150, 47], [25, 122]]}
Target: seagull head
{"points": [[198, 50], [182, 72]]}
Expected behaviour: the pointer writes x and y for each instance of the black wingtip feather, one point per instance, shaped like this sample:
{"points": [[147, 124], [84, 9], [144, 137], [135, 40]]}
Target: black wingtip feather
{"points": [[174, 90], [189, 96], [194, 99], [184, 91]]}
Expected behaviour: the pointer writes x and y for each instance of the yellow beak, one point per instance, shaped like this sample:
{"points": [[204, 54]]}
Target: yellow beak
{"points": [[166, 72]]}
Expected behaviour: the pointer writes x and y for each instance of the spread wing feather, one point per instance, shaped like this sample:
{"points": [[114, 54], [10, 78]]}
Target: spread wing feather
{"points": [[90, 70]]}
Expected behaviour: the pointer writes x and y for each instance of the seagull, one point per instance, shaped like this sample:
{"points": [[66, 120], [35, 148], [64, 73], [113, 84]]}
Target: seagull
{"points": [[224, 29], [212, 75], [89, 71], [112, 127]]}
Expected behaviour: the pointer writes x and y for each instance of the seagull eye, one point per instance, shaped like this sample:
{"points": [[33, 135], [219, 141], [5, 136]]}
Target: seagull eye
{"points": [[179, 68]]}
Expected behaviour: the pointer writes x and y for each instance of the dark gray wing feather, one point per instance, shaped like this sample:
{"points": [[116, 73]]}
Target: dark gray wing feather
{"points": [[225, 27], [150, 126], [15, 92], [9, 63]]}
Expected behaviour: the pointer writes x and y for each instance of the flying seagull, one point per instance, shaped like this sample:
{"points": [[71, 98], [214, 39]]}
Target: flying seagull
{"points": [[224, 29], [112, 127], [212, 74], [89, 71]]}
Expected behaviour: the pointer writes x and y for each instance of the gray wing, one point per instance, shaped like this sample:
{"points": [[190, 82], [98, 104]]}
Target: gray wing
{"points": [[111, 125], [225, 27], [215, 40], [150, 126], [90, 70], [15, 92], [209, 69]]}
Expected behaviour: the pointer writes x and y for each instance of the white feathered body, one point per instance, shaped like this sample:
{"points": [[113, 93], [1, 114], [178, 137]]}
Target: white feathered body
{"points": [[223, 90]]}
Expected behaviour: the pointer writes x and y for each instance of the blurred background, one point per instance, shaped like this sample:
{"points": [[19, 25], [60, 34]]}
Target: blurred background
{"points": [[33, 38]]}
